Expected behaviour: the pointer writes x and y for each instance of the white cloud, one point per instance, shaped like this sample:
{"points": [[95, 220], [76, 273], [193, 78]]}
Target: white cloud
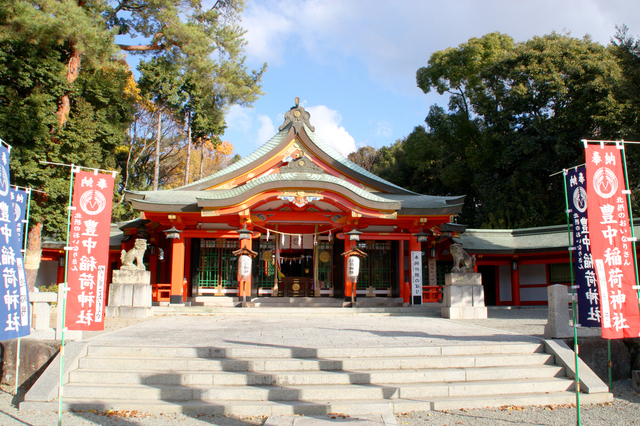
{"points": [[238, 119], [327, 124], [266, 131], [392, 42], [384, 129]]}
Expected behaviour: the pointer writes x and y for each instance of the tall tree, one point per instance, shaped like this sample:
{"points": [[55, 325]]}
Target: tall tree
{"points": [[517, 113], [78, 39]]}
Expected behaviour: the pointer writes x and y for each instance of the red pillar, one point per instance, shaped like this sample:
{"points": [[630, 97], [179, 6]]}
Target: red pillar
{"points": [[187, 269], [401, 254], [348, 285], [177, 270], [244, 286]]}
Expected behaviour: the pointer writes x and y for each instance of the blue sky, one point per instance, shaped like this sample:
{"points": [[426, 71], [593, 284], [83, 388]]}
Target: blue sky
{"points": [[353, 62]]}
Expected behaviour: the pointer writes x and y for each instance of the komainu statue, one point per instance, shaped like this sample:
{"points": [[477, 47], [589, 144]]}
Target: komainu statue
{"points": [[136, 253], [462, 262]]}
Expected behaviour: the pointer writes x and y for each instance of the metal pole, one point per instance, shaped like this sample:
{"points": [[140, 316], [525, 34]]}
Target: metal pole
{"points": [[628, 193], [64, 295], [573, 303], [609, 363], [24, 251]]}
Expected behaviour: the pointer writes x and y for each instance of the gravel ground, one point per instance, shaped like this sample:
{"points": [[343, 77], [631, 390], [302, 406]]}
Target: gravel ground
{"points": [[625, 410]]}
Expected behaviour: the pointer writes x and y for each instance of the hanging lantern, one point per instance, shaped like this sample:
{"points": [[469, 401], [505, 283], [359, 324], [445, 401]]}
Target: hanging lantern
{"points": [[244, 266], [353, 268]]}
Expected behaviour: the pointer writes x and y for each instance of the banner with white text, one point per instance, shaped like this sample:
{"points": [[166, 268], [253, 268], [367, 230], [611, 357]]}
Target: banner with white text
{"points": [[610, 231], [15, 293], [89, 251], [588, 300]]}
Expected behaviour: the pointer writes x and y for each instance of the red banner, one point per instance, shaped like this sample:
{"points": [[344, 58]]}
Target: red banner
{"points": [[89, 251], [611, 248]]}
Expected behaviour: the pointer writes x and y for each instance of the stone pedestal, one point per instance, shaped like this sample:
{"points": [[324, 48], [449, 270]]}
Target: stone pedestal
{"points": [[463, 296], [557, 326], [130, 294], [41, 309]]}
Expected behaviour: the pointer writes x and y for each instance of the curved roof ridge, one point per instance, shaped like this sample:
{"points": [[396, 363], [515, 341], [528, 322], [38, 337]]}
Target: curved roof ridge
{"points": [[258, 153], [294, 176], [328, 149]]}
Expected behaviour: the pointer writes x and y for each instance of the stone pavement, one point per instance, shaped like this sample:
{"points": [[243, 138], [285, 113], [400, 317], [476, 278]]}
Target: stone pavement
{"points": [[299, 331]]}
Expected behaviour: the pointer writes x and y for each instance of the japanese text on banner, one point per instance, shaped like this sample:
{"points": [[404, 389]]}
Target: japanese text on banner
{"points": [[611, 249], [89, 251], [585, 276], [14, 308]]}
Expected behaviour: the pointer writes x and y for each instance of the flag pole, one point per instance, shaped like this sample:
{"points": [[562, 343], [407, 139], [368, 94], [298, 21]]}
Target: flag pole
{"points": [[64, 293], [24, 250], [627, 192], [633, 239], [573, 300]]}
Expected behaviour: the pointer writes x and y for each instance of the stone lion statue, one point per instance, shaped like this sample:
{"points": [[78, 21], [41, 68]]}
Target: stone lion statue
{"points": [[136, 253], [462, 262]]}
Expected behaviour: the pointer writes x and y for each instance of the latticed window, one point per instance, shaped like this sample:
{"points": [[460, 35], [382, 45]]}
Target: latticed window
{"points": [[375, 269], [218, 266], [443, 268], [266, 264], [325, 260], [559, 273]]}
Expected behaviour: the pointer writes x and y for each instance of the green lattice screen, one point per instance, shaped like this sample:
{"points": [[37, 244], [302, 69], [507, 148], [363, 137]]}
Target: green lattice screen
{"points": [[218, 265], [266, 270], [375, 269], [324, 268]]}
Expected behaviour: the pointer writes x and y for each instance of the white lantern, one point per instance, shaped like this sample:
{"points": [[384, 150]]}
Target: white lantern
{"points": [[353, 268], [244, 266]]}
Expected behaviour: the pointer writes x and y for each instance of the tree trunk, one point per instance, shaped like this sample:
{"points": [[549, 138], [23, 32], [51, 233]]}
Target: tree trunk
{"points": [[186, 171], [33, 255], [156, 166], [73, 70], [201, 161]]}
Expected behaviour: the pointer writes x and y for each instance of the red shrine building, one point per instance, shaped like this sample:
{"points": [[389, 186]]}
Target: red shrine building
{"points": [[296, 206]]}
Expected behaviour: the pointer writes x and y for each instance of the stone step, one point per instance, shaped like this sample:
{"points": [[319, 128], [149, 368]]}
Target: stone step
{"points": [[270, 365], [313, 392], [348, 407], [176, 377], [323, 353], [431, 310]]}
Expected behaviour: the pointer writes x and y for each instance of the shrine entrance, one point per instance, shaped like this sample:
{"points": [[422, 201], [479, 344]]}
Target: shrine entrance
{"points": [[290, 267]]}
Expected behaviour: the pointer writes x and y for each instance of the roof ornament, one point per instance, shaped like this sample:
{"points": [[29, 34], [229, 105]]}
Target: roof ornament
{"points": [[297, 116]]}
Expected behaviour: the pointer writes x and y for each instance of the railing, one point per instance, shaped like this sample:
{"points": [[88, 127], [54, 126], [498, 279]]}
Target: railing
{"points": [[431, 294]]}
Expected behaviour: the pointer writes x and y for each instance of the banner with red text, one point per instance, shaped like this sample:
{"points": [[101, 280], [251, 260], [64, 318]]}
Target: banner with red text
{"points": [[89, 251], [611, 248]]}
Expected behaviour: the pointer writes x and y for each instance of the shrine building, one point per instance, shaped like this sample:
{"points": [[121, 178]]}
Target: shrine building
{"points": [[295, 205]]}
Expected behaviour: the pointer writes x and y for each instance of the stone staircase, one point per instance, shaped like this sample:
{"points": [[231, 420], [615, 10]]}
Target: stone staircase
{"points": [[263, 381]]}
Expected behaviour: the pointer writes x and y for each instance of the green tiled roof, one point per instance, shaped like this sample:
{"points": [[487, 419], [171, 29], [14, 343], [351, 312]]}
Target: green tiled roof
{"points": [[255, 155], [506, 241], [293, 177], [346, 162]]}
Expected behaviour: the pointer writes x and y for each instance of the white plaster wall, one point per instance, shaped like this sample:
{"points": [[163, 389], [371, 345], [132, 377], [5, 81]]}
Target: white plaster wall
{"points": [[533, 274]]}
